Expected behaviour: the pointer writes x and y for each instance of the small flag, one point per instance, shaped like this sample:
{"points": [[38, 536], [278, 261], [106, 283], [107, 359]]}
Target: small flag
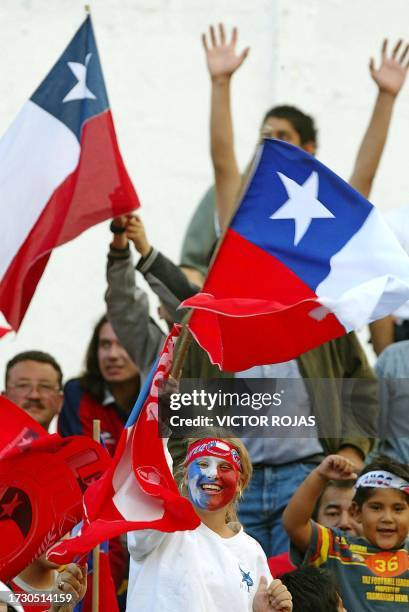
{"points": [[61, 171]]}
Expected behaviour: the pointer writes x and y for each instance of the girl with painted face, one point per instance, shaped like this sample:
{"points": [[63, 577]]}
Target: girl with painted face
{"points": [[217, 566]]}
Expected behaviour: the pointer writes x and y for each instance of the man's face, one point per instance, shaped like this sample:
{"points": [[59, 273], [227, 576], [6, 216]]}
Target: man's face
{"points": [[282, 129], [337, 511], [385, 518], [114, 362], [34, 386]]}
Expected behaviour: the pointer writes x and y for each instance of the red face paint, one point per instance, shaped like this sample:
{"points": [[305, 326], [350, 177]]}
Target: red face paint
{"points": [[214, 447], [212, 482]]}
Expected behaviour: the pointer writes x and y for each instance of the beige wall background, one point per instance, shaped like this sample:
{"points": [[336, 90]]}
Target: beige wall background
{"points": [[310, 53]]}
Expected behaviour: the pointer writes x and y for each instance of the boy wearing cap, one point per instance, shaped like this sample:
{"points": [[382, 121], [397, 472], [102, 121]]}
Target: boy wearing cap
{"points": [[372, 570]]}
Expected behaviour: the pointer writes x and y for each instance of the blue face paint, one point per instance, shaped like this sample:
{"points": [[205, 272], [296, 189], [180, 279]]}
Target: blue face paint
{"points": [[219, 474], [196, 495]]}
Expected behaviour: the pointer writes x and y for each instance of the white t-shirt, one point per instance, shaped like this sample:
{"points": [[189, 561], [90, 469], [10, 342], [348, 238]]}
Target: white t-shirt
{"points": [[194, 571]]}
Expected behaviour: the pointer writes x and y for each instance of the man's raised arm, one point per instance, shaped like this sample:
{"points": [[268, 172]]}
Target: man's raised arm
{"points": [[389, 78], [298, 513], [222, 62]]}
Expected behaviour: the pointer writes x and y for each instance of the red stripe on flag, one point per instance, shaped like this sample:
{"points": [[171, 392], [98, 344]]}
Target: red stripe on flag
{"points": [[99, 189], [138, 491], [4, 331], [259, 311]]}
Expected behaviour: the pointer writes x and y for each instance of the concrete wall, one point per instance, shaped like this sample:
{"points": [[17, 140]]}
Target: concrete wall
{"points": [[312, 53]]}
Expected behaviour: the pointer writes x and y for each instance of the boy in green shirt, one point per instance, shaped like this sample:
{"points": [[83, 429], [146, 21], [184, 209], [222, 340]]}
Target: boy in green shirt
{"points": [[373, 570]]}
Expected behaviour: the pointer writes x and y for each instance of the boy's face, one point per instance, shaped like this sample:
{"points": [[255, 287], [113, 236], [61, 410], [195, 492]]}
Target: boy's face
{"points": [[385, 518], [282, 129]]}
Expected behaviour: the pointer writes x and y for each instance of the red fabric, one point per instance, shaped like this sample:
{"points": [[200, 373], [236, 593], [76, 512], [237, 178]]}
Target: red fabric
{"points": [[18, 430], [98, 189], [280, 564], [118, 561], [254, 310], [151, 499], [41, 487], [4, 331], [79, 414], [107, 594], [111, 424]]}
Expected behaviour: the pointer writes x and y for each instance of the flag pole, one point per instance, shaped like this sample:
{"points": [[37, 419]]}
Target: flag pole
{"points": [[96, 433], [184, 343], [186, 337]]}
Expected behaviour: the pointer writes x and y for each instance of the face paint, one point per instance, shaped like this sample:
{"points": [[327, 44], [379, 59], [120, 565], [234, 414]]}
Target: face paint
{"points": [[212, 482]]}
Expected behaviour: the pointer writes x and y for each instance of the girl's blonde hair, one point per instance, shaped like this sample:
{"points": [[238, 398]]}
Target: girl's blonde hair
{"points": [[245, 473]]}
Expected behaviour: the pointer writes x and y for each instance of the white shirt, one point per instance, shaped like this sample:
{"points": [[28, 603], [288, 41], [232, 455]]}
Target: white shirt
{"points": [[194, 571]]}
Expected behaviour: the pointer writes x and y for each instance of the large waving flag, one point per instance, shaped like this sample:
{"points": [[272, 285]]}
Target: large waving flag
{"points": [[139, 491], [42, 481], [60, 171], [305, 260]]}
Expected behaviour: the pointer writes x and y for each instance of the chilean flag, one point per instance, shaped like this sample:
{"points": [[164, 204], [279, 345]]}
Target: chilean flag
{"points": [[139, 491], [305, 260], [60, 171]]}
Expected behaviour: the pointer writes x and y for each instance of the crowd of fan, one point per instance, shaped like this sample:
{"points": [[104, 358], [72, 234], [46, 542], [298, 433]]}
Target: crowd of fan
{"points": [[303, 505]]}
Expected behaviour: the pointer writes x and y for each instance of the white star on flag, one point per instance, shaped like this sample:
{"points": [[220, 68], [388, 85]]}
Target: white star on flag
{"points": [[302, 205], [80, 90]]}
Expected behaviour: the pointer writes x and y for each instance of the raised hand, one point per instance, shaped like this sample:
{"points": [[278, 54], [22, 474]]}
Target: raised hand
{"points": [[336, 467], [119, 238], [135, 231], [120, 221], [222, 58], [391, 74]]}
